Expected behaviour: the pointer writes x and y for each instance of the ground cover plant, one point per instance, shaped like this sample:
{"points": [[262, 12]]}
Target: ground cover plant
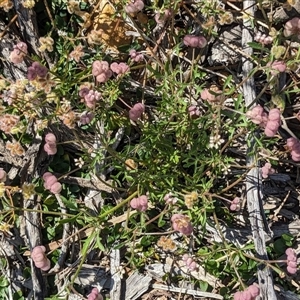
{"points": [[141, 157]]}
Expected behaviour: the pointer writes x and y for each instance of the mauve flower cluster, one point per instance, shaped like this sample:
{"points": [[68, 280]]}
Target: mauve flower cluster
{"points": [[39, 258], [235, 204], [161, 18], [292, 27], [119, 68], [195, 41], [291, 260], [189, 262], [86, 117], [91, 98], [170, 199], [294, 146], [182, 224], [50, 145], [18, 54], [134, 6], [266, 170], [36, 70], [277, 66], [94, 295], [136, 111], [263, 38], [140, 203], [194, 111], [270, 122], [101, 70], [136, 56], [249, 294], [51, 183], [212, 94], [3, 175]]}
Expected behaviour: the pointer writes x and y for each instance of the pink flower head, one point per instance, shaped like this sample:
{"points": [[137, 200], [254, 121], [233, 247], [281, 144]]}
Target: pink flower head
{"points": [[182, 224], [100, 69], [258, 115], [291, 261], [235, 204], [19, 52], [134, 6], [86, 117], [94, 295], [189, 262], [136, 56], [266, 170], [50, 145], [194, 111], [36, 69], [3, 175], [212, 94], [39, 258], [91, 98], [140, 203], [51, 183], [120, 68], [263, 38], [294, 146], [278, 66], [273, 122], [136, 111], [249, 294], [161, 18], [170, 199], [292, 27], [195, 41]]}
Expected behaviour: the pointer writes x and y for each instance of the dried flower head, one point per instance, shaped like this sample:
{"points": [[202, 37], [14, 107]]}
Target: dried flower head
{"points": [[8, 122], [225, 18], [46, 44], [195, 41], [15, 148], [28, 3], [190, 199], [167, 244], [182, 224], [28, 190], [77, 53], [130, 164], [6, 5]]}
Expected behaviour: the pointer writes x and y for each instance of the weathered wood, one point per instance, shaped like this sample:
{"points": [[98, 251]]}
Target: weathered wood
{"points": [[254, 196]]}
